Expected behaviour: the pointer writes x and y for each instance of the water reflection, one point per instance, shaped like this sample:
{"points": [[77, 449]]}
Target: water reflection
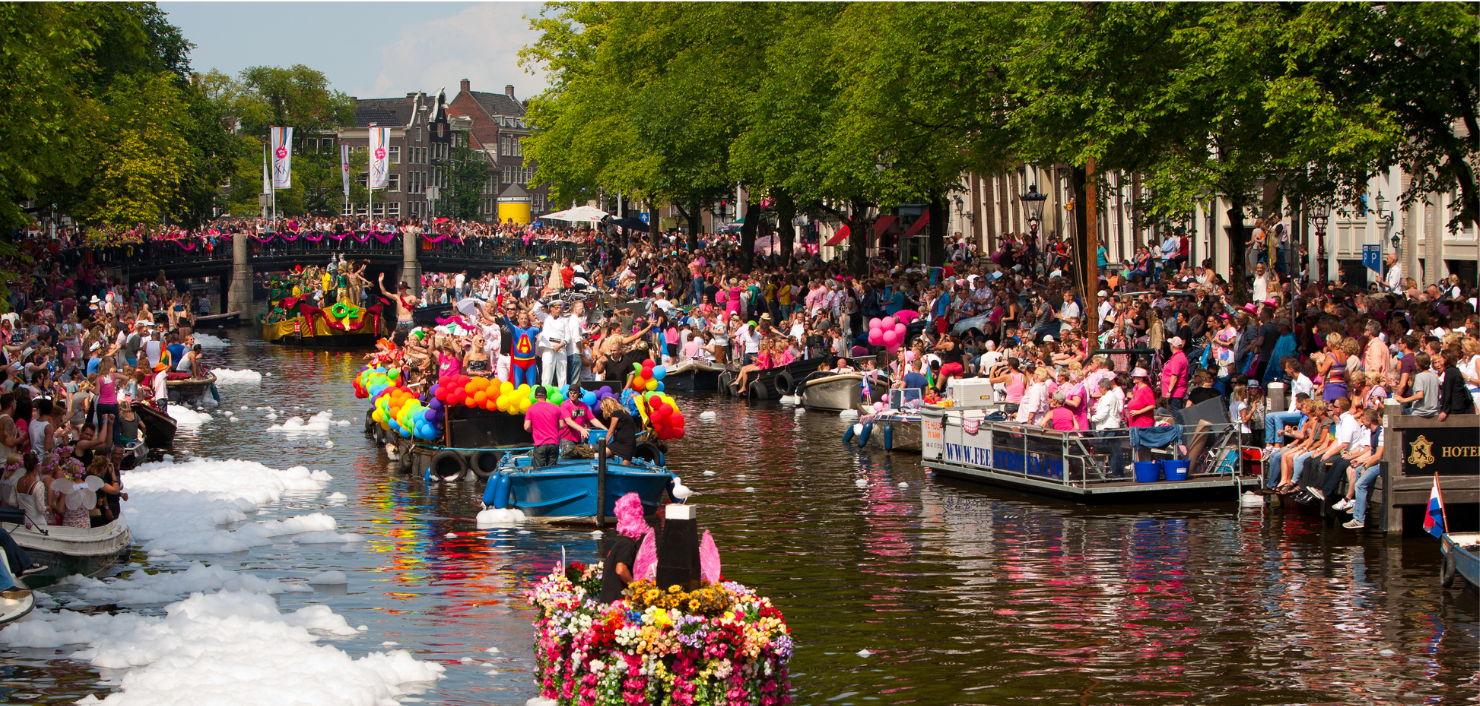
{"points": [[962, 594]]}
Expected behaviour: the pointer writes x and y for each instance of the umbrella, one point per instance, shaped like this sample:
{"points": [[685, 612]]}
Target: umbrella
{"points": [[579, 213], [633, 223]]}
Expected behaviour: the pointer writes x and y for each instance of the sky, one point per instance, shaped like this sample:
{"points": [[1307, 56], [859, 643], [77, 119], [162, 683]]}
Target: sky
{"points": [[367, 49]]}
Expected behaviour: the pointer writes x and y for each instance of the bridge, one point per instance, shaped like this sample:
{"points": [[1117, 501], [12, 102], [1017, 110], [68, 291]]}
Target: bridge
{"points": [[235, 258]]}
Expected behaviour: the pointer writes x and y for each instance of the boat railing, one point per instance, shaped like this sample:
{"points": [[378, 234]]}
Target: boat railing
{"points": [[1083, 458]]}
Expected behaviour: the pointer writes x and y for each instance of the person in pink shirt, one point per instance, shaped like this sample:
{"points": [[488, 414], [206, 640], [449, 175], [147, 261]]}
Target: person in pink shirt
{"points": [[1141, 410], [575, 418], [1377, 358], [1174, 375], [1076, 399], [543, 421], [1061, 418]]}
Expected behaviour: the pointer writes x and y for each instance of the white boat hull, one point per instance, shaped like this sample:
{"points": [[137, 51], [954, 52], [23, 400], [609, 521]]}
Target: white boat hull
{"points": [[71, 550], [832, 394]]}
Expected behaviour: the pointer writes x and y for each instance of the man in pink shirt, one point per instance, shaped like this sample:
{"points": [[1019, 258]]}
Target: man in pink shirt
{"points": [[575, 416], [1174, 375], [1376, 359], [543, 421]]}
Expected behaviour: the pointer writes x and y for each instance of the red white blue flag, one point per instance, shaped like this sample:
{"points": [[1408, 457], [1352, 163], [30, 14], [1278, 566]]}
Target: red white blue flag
{"points": [[1433, 520], [282, 158]]}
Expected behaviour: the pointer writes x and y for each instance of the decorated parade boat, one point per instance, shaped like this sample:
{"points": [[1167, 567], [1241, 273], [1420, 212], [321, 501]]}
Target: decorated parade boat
{"points": [[295, 322], [678, 633], [889, 426], [567, 492]]}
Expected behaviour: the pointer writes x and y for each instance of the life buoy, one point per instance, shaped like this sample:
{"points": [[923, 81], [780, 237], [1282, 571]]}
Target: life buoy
{"points": [[447, 465], [785, 383], [484, 463], [868, 428]]}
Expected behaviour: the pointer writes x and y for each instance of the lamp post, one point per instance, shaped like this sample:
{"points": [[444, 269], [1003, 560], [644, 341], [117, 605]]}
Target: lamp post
{"points": [[1033, 207], [1320, 213]]}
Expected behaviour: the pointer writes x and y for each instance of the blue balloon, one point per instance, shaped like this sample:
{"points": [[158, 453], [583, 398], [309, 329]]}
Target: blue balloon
{"points": [[659, 387], [659, 372], [589, 398]]}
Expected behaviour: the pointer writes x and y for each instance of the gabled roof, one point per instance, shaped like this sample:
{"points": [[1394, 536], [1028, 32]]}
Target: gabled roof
{"points": [[498, 104], [384, 112]]}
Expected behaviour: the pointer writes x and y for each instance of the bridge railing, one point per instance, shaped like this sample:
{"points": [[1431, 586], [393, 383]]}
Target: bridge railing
{"points": [[165, 253]]}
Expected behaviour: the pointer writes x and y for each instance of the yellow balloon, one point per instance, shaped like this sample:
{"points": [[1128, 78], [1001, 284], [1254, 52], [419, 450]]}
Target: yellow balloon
{"points": [[505, 387], [651, 385]]}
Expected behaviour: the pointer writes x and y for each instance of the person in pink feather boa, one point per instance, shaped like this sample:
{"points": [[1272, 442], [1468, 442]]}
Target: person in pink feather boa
{"points": [[622, 554]]}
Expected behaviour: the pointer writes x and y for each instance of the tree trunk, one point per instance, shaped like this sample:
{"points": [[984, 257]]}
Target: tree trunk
{"points": [[654, 222], [1079, 259], [858, 239], [940, 216], [747, 231], [695, 215], [1237, 245], [786, 212]]}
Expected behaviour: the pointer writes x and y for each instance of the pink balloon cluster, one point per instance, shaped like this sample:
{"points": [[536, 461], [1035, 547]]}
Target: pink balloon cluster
{"points": [[886, 332]]}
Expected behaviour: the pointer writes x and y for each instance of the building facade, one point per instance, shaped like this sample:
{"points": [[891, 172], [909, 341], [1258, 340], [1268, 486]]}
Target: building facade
{"points": [[495, 125], [420, 138]]}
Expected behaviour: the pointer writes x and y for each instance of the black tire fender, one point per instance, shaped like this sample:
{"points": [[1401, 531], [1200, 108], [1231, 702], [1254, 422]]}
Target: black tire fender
{"points": [[483, 464], [448, 465]]}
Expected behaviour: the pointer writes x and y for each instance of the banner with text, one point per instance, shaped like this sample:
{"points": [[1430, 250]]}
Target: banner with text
{"points": [[380, 164], [282, 158]]}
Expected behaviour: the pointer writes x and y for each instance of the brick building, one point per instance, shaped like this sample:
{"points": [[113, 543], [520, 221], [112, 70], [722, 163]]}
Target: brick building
{"points": [[497, 127], [420, 138]]}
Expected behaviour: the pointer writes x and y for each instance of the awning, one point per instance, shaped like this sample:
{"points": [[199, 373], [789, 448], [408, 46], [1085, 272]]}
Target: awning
{"points": [[839, 236], [883, 224], [918, 224], [579, 213]]}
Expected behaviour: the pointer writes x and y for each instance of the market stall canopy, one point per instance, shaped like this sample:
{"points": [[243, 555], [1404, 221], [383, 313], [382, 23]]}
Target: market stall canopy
{"points": [[579, 213]]}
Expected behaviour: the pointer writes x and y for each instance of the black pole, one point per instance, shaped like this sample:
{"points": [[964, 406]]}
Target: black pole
{"points": [[600, 484]]}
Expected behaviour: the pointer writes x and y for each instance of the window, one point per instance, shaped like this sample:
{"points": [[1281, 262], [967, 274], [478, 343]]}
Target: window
{"points": [[394, 209], [394, 183], [395, 156], [518, 147], [508, 174], [507, 151], [418, 134]]}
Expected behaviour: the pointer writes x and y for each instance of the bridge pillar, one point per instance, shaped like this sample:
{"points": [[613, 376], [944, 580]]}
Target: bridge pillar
{"points": [[410, 265], [239, 295]]}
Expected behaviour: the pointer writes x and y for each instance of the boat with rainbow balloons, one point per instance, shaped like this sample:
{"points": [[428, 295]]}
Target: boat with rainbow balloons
{"points": [[464, 427]]}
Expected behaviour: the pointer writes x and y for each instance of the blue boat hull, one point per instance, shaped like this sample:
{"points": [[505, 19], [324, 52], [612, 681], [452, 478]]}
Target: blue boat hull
{"points": [[566, 492]]}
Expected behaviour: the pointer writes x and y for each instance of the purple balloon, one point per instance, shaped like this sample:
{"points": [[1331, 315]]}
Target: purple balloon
{"points": [[605, 390]]}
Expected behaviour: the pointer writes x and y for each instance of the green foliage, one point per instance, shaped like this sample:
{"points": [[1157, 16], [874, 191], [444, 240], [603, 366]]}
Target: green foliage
{"points": [[296, 97], [467, 173]]}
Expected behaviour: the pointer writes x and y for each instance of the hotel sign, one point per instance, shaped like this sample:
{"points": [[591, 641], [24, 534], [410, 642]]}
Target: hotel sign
{"points": [[1447, 452]]}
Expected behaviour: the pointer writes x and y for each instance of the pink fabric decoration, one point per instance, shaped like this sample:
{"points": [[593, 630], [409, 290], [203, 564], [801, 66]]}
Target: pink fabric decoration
{"points": [[708, 558], [907, 316], [647, 559]]}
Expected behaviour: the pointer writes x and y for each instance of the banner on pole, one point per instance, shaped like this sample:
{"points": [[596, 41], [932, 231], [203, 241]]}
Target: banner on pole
{"points": [[266, 179], [380, 164], [344, 166], [282, 158]]}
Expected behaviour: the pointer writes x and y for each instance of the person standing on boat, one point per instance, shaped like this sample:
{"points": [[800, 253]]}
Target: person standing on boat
{"points": [[544, 421], [616, 569]]}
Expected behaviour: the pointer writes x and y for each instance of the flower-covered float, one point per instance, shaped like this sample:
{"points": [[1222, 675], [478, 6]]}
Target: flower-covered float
{"points": [[716, 642]]}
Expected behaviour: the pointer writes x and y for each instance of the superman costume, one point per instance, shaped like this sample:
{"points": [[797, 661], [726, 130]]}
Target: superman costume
{"points": [[522, 355]]}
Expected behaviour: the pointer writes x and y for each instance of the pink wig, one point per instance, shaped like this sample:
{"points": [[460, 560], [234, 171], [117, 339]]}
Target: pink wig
{"points": [[629, 516]]}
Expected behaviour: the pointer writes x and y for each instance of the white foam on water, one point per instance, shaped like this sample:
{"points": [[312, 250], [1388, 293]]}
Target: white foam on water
{"points": [[848, 414], [186, 417], [337, 497], [860, 483], [329, 444], [179, 508], [317, 424], [142, 588], [493, 517], [709, 473], [707, 416], [749, 489], [791, 400], [226, 648], [206, 340], [227, 376], [328, 537], [270, 416], [329, 578], [904, 485]]}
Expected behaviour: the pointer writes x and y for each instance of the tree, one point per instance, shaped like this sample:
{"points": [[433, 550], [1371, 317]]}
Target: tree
{"points": [[466, 177]]}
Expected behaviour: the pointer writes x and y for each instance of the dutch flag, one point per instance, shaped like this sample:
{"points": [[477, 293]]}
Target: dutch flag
{"points": [[1433, 521]]}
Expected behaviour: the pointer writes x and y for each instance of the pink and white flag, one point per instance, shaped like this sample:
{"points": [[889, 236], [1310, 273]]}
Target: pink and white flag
{"points": [[380, 164], [344, 166], [282, 157]]}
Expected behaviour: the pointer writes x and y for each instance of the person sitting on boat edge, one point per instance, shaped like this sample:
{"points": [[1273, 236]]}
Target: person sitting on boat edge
{"points": [[544, 421], [621, 435], [574, 418], [616, 569]]}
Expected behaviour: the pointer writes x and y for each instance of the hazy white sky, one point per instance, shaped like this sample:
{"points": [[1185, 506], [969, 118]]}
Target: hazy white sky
{"points": [[367, 49]]}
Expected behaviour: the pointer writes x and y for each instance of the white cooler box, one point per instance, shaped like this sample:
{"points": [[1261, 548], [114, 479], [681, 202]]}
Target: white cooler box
{"points": [[971, 392]]}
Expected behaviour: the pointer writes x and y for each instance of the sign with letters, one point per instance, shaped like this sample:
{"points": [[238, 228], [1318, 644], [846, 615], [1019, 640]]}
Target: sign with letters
{"points": [[1445, 451]]}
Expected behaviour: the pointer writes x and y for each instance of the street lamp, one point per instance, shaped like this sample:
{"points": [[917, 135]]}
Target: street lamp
{"points": [[1320, 213], [1033, 207]]}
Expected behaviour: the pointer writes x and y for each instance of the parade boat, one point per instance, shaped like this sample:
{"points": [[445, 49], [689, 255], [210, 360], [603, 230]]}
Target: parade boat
{"points": [[567, 492], [1461, 558], [342, 326], [159, 428], [824, 391], [230, 319], [889, 426], [186, 388], [692, 375], [428, 315], [772, 383], [69, 550]]}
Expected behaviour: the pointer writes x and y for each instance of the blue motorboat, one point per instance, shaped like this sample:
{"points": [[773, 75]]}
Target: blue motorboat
{"points": [[567, 491]]}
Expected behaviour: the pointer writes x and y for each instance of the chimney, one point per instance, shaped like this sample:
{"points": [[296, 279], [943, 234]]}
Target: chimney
{"points": [[509, 90], [467, 86]]}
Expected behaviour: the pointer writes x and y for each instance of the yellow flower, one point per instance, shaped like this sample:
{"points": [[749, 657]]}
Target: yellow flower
{"points": [[674, 588], [694, 605]]}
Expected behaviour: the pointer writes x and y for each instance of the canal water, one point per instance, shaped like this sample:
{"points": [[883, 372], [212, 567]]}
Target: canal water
{"points": [[960, 594]]}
